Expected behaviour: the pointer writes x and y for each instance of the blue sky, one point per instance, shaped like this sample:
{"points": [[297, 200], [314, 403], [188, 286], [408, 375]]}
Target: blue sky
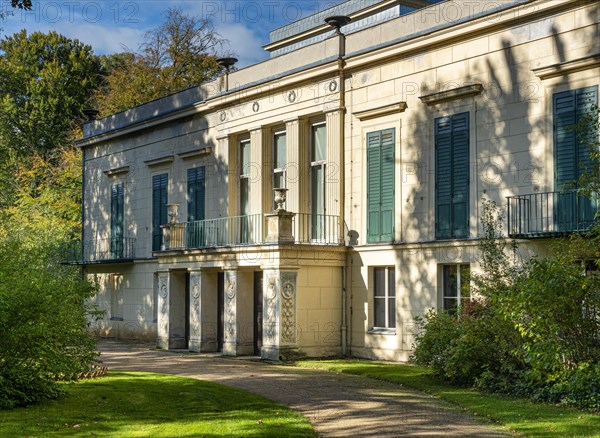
{"points": [[109, 25]]}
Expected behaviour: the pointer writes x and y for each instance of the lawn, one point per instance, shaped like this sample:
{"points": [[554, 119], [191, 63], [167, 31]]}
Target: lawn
{"points": [[518, 415], [132, 404]]}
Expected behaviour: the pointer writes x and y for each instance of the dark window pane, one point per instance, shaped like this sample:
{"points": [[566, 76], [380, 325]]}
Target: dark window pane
{"points": [[392, 314], [465, 281], [379, 304], [391, 282], [379, 281], [450, 280]]}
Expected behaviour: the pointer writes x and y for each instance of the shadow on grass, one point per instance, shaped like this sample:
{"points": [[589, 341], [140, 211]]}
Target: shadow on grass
{"points": [[146, 404]]}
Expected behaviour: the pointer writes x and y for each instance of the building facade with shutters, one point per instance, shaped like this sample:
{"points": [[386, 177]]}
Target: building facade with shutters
{"points": [[387, 135]]}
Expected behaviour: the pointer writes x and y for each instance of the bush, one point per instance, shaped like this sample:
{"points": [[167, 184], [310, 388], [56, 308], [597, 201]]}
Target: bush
{"points": [[43, 321], [535, 331]]}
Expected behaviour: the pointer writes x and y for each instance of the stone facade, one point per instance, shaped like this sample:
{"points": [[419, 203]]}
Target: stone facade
{"points": [[340, 286]]}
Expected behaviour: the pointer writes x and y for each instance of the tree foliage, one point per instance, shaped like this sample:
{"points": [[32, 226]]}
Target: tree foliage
{"points": [[46, 80], [178, 54], [43, 322]]}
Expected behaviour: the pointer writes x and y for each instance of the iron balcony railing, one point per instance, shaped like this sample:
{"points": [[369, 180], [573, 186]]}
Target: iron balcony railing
{"points": [[100, 250], [550, 213], [249, 230]]}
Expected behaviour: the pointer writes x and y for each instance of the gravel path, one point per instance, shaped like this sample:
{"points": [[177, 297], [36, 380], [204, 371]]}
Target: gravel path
{"points": [[338, 405]]}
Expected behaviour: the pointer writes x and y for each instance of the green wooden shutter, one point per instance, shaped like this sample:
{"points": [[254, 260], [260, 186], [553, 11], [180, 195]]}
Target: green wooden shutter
{"points": [[572, 157], [380, 186], [460, 175], [196, 194], [452, 176], [116, 220], [443, 178], [159, 208]]}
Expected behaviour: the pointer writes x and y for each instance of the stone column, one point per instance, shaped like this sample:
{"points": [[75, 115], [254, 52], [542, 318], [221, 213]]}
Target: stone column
{"points": [[261, 178], [163, 310], [279, 313], [239, 296], [203, 311]]}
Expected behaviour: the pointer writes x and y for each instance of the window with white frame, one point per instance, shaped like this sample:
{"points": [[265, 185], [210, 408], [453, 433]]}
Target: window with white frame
{"points": [[384, 297], [279, 159], [318, 157], [116, 297], [244, 178], [456, 286]]}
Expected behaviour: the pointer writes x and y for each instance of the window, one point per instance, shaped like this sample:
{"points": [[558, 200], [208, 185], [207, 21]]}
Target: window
{"points": [[456, 286], [318, 157], [160, 200], [384, 298], [117, 198], [195, 207], [279, 159], [452, 176], [380, 186], [244, 208], [116, 297], [572, 156]]}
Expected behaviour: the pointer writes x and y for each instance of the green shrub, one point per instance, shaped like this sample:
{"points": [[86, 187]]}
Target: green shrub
{"points": [[43, 321]]}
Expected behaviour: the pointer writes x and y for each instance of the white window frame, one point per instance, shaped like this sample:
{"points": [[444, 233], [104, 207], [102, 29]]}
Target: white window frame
{"points": [[386, 298], [278, 170], [315, 164], [243, 173], [459, 284]]}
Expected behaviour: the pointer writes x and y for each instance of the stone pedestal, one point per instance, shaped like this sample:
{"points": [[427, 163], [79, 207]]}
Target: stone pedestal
{"points": [[279, 227]]}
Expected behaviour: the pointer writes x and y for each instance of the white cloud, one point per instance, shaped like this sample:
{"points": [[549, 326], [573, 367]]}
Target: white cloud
{"points": [[244, 42]]}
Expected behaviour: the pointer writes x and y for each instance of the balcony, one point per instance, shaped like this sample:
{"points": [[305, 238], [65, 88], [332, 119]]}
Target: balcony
{"points": [[249, 230], [116, 250], [550, 214]]}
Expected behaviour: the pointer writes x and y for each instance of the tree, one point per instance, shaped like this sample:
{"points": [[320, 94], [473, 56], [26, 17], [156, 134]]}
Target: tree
{"points": [[46, 80], [180, 53]]}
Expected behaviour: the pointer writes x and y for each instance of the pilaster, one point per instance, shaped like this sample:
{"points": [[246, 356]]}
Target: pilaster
{"points": [[203, 315], [279, 313], [238, 313], [163, 310], [333, 167]]}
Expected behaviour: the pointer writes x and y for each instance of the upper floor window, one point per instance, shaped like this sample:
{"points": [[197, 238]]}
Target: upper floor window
{"points": [[380, 185], [452, 176], [572, 157], [117, 201], [318, 157], [279, 159], [195, 193], [245, 169], [160, 199]]}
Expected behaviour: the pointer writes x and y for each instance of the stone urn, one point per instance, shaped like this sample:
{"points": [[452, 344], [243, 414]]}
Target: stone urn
{"points": [[279, 195], [173, 212]]}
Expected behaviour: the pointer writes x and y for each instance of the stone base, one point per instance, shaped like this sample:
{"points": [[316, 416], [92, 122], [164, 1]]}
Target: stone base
{"points": [[238, 349], [162, 343], [199, 346]]}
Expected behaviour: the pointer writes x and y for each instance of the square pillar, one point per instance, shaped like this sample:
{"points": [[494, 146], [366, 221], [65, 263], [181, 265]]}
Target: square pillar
{"points": [[279, 313], [238, 324], [163, 311], [203, 311]]}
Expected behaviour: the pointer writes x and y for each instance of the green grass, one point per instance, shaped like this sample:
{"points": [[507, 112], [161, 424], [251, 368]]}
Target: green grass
{"points": [[132, 404], [518, 415]]}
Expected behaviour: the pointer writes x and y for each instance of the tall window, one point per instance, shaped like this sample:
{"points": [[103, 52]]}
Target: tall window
{"points": [[116, 297], [279, 159], [452, 176], [195, 207], [456, 290], [318, 157], [384, 297], [245, 169], [380, 186], [117, 198], [160, 199], [572, 156]]}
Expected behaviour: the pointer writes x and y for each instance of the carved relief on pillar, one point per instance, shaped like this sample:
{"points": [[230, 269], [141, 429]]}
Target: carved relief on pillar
{"points": [[164, 304], [230, 307], [195, 317], [288, 308], [271, 310]]}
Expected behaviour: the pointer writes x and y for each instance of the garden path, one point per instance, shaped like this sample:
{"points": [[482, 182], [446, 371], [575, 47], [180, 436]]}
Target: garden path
{"points": [[338, 405]]}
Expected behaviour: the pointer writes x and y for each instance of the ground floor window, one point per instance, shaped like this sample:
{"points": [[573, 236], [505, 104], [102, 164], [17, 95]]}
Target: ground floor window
{"points": [[456, 286], [384, 297]]}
